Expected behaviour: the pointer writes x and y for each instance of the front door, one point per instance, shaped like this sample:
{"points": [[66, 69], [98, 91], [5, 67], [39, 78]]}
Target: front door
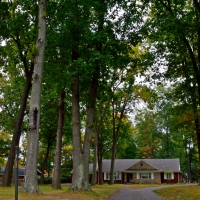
{"points": [[129, 177]]}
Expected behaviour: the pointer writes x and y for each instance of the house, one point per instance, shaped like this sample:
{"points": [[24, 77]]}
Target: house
{"points": [[141, 171], [21, 174]]}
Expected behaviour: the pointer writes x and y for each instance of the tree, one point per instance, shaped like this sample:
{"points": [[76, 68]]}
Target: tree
{"points": [[56, 184], [30, 182], [120, 102], [177, 35], [22, 44]]}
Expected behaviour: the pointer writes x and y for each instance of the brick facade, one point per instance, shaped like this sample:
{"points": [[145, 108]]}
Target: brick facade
{"points": [[155, 180]]}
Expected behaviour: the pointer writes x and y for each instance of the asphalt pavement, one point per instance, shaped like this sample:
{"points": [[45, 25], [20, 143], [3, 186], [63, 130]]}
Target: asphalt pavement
{"points": [[127, 193], [136, 194]]}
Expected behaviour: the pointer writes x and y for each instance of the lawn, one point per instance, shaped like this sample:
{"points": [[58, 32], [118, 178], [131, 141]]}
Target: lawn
{"points": [[47, 193], [183, 192], [100, 192]]}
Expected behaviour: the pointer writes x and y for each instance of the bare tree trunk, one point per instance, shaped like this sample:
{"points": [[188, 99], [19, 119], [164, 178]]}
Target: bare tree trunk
{"points": [[100, 168], [112, 164], [30, 181], [6, 181], [78, 165], [80, 179], [90, 125], [56, 183], [78, 172], [94, 174]]}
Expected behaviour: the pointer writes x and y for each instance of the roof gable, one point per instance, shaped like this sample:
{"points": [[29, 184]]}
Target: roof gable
{"points": [[142, 165]]}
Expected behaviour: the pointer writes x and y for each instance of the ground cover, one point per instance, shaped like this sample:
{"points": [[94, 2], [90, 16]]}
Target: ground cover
{"points": [[99, 192], [184, 192]]}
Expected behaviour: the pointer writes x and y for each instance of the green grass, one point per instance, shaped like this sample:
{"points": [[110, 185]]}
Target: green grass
{"points": [[47, 193], [100, 192], [180, 192]]}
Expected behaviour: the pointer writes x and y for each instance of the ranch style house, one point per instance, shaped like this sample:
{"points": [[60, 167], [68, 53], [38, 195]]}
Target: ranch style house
{"points": [[141, 171]]}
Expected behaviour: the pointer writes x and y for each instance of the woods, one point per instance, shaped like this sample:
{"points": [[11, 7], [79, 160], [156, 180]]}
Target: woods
{"points": [[119, 79]]}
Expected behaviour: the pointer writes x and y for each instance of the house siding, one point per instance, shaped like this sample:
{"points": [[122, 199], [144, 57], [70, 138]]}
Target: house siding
{"points": [[141, 166], [158, 178], [177, 178], [155, 180]]}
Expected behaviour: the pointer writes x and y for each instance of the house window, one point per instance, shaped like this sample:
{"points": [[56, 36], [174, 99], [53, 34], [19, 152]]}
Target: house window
{"points": [[145, 175], [107, 176], [117, 176], [169, 175]]}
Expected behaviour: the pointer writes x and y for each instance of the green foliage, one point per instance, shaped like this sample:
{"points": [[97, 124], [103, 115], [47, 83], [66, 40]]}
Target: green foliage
{"points": [[150, 39], [4, 146]]}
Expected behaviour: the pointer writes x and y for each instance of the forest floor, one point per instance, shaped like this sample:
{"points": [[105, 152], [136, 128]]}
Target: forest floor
{"points": [[103, 192]]}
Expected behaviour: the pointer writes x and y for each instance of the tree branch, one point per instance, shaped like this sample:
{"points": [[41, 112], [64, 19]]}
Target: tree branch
{"points": [[196, 4], [22, 57]]}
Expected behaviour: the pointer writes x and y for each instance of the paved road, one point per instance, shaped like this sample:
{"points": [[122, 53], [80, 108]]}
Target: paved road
{"points": [[136, 194]]}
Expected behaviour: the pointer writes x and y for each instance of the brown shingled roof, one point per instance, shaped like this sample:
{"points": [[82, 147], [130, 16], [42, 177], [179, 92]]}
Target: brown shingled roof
{"points": [[123, 164]]}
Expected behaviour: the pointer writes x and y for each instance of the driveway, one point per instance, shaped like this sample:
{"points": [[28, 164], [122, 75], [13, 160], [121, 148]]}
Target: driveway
{"points": [[136, 194], [127, 193]]}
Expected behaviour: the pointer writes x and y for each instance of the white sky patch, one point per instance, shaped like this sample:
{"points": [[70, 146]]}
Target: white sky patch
{"points": [[3, 43]]}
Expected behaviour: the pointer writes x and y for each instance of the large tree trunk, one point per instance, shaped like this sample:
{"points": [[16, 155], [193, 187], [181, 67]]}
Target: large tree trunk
{"points": [[78, 172], [56, 183], [94, 174], [78, 165], [90, 125], [80, 180], [100, 158], [30, 181], [6, 181]]}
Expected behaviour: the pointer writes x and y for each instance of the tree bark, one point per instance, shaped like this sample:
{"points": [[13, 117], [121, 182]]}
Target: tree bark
{"points": [[100, 158], [80, 179], [94, 174], [78, 163], [6, 181], [90, 125], [30, 181], [56, 183], [78, 172]]}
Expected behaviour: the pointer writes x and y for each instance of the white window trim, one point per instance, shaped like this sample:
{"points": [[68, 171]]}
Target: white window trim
{"points": [[117, 176], [172, 175], [150, 175]]}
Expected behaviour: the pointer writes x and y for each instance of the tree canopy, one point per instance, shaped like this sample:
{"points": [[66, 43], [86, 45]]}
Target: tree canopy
{"points": [[129, 75]]}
